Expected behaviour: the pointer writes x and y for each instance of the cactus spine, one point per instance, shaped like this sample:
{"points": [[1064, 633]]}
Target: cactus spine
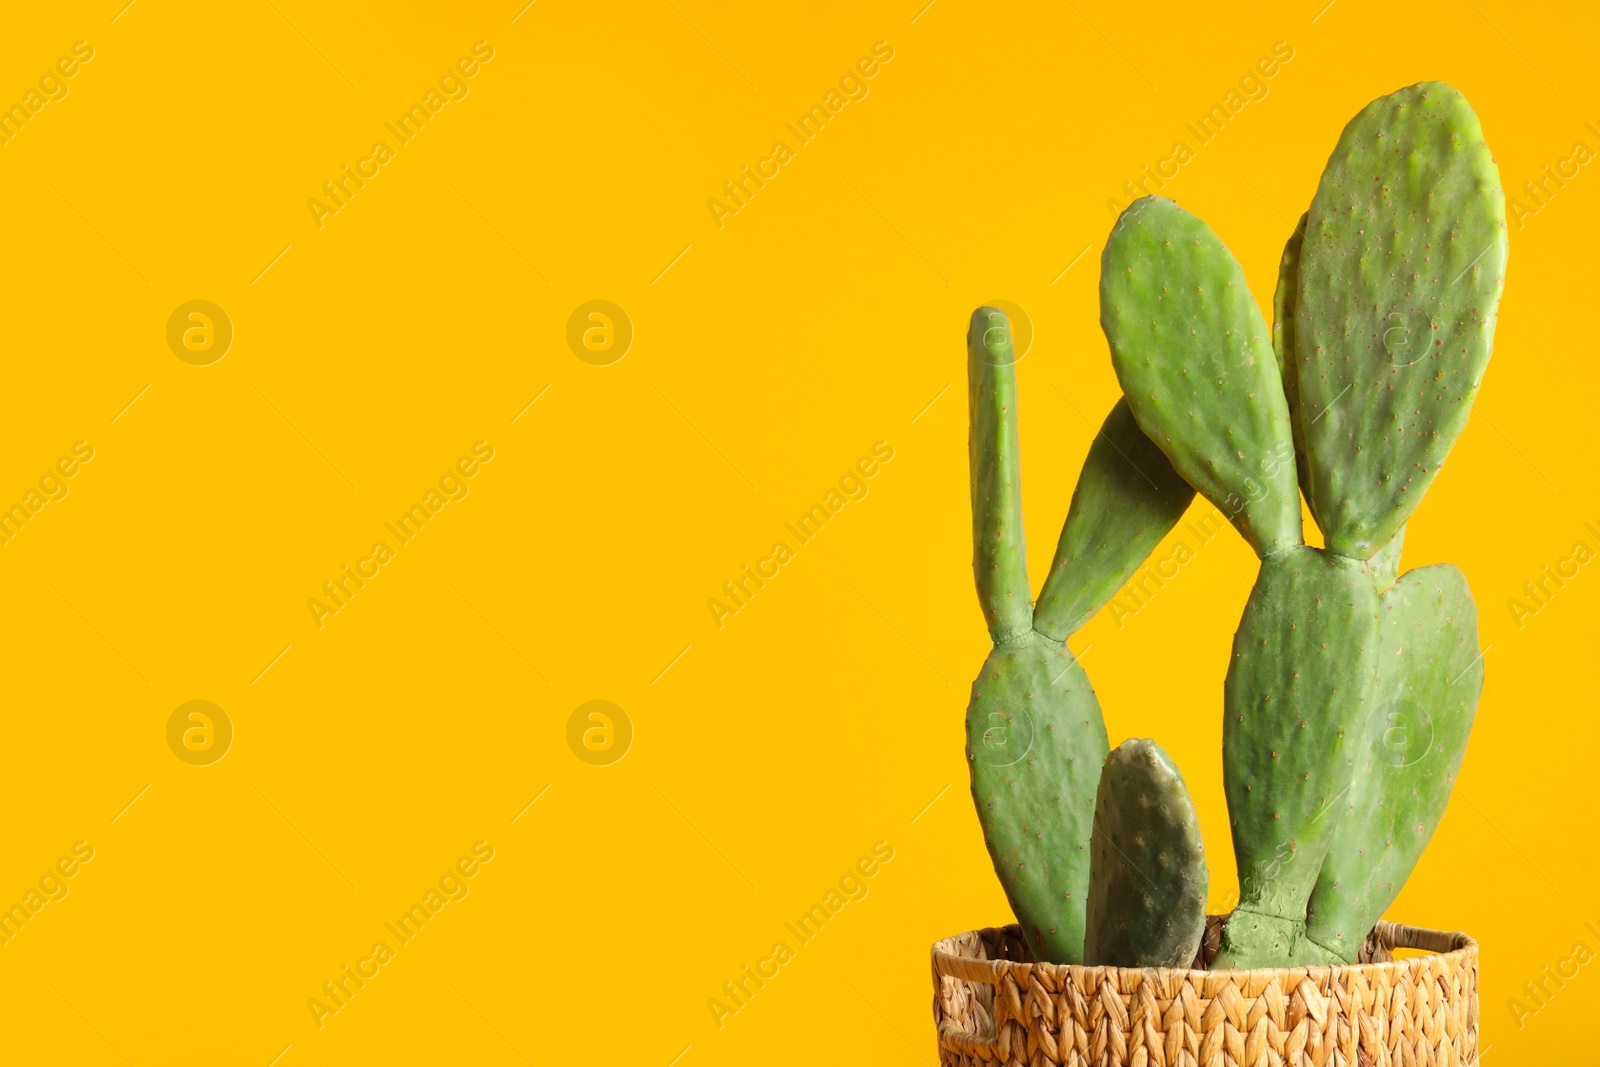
{"points": [[1352, 687]]}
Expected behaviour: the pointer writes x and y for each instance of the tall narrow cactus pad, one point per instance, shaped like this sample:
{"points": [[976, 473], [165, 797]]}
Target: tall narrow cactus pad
{"points": [[1400, 279], [1296, 702], [1430, 674], [1195, 361], [999, 556], [1147, 865], [1128, 498], [1035, 745], [1284, 300]]}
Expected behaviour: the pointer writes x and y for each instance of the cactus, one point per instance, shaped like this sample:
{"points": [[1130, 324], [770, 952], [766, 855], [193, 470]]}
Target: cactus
{"points": [[1035, 742], [1352, 688], [1035, 736], [1295, 702], [1147, 864], [1186, 335], [1430, 675], [1399, 285], [1284, 299], [1407, 230], [1195, 361], [1128, 498]]}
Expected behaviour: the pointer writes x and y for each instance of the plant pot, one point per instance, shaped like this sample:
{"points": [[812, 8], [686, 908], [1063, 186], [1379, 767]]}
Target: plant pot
{"points": [[995, 1007]]}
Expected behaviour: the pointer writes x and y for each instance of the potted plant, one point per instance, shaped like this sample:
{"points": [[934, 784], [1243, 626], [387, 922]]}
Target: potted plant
{"points": [[1351, 690]]}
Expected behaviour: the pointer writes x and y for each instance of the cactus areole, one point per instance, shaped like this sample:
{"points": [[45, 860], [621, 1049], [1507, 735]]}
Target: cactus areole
{"points": [[1353, 685]]}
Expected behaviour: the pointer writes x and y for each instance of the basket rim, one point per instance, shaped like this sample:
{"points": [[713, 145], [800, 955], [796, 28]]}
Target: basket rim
{"points": [[1399, 935]]}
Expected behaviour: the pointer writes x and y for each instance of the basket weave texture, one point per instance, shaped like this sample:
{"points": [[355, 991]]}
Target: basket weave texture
{"points": [[995, 1007]]}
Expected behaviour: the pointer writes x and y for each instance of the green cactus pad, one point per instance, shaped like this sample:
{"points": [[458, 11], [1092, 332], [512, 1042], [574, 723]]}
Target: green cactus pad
{"points": [[1430, 675], [1035, 746], [1128, 498], [1284, 299], [999, 555], [1400, 279], [1195, 361], [1297, 698], [1147, 865]]}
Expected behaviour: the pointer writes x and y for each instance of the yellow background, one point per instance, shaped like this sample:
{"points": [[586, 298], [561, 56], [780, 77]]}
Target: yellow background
{"points": [[824, 317]]}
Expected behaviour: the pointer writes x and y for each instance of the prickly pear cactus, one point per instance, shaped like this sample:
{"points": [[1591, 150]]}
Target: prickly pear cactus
{"points": [[1128, 498], [1147, 865], [1296, 700], [999, 556], [1399, 285], [1035, 742], [1035, 736], [1352, 689], [1430, 675], [1195, 360], [1284, 300]]}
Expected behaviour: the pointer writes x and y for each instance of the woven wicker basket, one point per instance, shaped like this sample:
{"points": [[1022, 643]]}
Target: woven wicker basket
{"points": [[997, 1008]]}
